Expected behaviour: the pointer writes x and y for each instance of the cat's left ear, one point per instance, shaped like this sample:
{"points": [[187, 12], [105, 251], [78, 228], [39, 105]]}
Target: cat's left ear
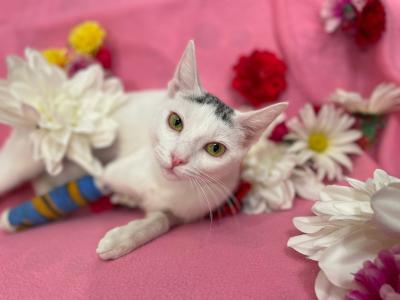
{"points": [[255, 122], [186, 78]]}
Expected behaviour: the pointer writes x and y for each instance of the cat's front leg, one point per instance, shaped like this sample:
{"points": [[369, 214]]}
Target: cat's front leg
{"points": [[122, 240], [16, 161]]}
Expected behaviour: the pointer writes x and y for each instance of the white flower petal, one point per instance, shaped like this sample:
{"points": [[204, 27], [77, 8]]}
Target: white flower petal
{"points": [[306, 183], [347, 137], [340, 158], [325, 290], [340, 261], [80, 152], [90, 78], [105, 134], [386, 206], [311, 224]]}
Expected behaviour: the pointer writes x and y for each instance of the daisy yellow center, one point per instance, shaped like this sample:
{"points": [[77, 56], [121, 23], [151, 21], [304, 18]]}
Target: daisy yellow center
{"points": [[318, 142], [87, 37]]}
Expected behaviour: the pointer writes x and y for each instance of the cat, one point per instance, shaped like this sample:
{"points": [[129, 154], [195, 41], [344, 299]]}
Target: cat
{"points": [[177, 157]]}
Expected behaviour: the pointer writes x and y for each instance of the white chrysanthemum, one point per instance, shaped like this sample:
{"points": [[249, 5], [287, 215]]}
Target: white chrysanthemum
{"points": [[344, 233], [65, 117], [325, 139], [306, 183], [268, 167], [385, 98]]}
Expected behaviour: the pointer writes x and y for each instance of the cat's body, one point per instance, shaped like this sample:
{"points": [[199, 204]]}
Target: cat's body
{"points": [[177, 157]]}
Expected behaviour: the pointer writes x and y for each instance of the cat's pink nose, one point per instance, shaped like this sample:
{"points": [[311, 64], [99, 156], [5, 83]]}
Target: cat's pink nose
{"points": [[176, 161]]}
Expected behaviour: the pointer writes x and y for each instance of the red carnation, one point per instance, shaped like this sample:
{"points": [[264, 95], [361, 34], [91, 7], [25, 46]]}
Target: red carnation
{"points": [[104, 57], [279, 132], [370, 24], [260, 77]]}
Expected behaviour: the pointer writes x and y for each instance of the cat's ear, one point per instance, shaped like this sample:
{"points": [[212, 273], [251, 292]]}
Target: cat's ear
{"points": [[255, 122], [186, 78]]}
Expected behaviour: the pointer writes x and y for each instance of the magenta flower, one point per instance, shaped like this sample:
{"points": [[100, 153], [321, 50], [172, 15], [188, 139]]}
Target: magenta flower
{"points": [[379, 279], [80, 62], [341, 13]]}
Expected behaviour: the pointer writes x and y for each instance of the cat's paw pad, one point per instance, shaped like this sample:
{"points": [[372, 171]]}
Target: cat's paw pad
{"points": [[114, 244]]}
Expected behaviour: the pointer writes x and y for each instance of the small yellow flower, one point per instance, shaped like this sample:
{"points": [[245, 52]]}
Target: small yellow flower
{"points": [[56, 56], [87, 37]]}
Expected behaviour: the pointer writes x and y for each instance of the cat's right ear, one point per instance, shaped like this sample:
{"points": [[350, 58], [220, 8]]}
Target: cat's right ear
{"points": [[186, 78], [255, 122]]}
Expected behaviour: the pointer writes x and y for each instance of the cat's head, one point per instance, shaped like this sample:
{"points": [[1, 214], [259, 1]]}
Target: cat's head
{"points": [[196, 134]]}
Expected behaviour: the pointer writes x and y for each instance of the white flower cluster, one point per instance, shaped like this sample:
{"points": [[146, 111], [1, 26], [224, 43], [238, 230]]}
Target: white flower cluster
{"points": [[65, 117], [316, 148], [351, 225]]}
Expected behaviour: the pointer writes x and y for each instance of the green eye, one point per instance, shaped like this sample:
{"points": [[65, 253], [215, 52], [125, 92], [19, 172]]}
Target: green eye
{"points": [[175, 122], [215, 149]]}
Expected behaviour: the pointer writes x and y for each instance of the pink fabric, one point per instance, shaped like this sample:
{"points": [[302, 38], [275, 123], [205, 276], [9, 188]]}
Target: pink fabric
{"points": [[240, 258]]}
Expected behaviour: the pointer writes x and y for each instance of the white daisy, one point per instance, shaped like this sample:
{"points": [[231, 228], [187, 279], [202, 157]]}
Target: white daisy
{"points": [[325, 139], [344, 234], [65, 117], [385, 98]]}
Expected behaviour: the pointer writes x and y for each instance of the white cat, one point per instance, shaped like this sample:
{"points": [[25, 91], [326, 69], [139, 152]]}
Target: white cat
{"points": [[178, 156]]}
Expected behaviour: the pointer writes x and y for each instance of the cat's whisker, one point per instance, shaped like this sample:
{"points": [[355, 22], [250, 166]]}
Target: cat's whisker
{"points": [[233, 208], [206, 184], [231, 195], [222, 192], [195, 187], [206, 199]]}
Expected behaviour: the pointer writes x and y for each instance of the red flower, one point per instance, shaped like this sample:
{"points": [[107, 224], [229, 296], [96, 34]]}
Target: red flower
{"points": [[370, 24], [279, 132], [104, 57], [260, 77]]}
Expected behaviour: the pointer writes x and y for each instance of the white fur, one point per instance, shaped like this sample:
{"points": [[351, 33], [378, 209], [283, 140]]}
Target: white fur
{"points": [[141, 172]]}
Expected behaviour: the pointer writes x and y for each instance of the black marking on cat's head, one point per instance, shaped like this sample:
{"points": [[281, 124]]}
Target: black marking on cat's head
{"points": [[222, 111]]}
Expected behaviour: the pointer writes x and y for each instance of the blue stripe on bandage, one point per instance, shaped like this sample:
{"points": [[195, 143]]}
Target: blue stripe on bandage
{"points": [[88, 188], [25, 212], [62, 200]]}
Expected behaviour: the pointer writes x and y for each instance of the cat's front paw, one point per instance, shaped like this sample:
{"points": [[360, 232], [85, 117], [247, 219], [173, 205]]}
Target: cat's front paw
{"points": [[116, 243]]}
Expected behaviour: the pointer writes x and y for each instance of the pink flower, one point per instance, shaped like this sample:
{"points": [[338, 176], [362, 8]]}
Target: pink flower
{"points": [[341, 13], [79, 62], [379, 279]]}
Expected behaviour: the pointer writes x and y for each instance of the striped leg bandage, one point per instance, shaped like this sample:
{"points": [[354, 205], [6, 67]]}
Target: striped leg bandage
{"points": [[55, 204]]}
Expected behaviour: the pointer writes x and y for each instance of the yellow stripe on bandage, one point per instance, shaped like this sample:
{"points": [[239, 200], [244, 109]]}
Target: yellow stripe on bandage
{"points": [[75, 194], [42, 208], [51, 205]]}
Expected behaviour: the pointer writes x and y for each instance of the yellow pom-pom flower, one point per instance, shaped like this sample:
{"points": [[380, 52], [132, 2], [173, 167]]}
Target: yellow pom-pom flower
{"points": [[56, 56], [87, 37]]}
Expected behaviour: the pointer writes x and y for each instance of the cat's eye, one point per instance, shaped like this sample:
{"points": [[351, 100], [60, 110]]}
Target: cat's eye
{"points": [[215, 149], [175, 122]]}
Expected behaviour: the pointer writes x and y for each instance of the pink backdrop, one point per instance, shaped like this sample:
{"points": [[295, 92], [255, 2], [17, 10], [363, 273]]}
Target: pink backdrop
{"points": [[244, 257]]}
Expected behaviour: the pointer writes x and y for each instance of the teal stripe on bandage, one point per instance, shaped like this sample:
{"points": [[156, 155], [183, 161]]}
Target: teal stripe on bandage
{"points": [[53, 205]]}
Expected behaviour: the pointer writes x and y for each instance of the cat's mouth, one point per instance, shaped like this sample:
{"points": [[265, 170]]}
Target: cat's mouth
{"points": [[170, 173]]}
